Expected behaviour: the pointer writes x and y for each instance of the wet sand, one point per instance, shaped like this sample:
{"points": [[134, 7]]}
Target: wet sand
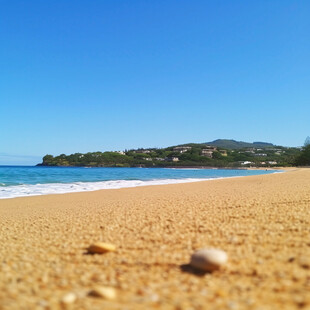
{"points": [[262, 222]]}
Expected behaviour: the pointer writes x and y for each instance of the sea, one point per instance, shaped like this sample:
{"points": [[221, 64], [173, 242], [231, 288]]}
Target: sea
{"points": [[21, 181]]}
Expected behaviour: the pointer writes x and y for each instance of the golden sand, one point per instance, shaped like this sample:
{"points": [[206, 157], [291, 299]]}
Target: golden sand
{"points": [[262, 222]]}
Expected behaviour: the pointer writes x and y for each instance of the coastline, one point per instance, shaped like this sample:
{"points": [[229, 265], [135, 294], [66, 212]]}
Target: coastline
{"points": [[69, 181], [168, 167], [261, 221]]}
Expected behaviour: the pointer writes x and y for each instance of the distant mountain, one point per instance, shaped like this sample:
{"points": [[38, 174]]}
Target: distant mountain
{"points": [[233, 144]]}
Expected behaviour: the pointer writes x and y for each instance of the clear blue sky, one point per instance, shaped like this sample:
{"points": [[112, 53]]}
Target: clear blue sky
{"points": [[79, 76]]}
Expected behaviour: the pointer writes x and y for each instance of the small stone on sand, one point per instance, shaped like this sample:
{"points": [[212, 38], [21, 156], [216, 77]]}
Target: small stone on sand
{"points": [[69, 298], [103, 292], [101, 247], [208, 259]]}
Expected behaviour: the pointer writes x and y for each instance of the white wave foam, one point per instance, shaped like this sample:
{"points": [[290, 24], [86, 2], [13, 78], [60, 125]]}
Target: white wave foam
{"points": [[185, 168], [62, 188]]}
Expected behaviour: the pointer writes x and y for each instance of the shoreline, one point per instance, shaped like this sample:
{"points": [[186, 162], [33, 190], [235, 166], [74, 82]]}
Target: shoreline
{"points": [[57, 188], [261, 222], [164, 167]]}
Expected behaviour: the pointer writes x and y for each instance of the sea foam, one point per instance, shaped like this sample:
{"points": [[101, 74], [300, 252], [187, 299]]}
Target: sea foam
{"points": [[62, 188]]}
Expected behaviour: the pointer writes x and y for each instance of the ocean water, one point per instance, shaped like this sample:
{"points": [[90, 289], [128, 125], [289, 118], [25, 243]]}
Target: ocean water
{"points": [[19, 181]]}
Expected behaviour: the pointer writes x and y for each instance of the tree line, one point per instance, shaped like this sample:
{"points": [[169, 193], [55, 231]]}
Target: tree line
{"points": [[167, 157]]}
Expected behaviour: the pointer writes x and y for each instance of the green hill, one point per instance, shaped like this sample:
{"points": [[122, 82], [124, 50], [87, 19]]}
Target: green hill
{"points": [[228, 153], [233, 144]]}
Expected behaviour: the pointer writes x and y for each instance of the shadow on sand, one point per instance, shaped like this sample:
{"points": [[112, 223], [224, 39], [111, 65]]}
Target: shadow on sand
{"points": [[197, 272]]}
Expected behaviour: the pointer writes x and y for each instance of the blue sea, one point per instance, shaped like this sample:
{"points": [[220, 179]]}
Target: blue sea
{"points": [[19, 181]]}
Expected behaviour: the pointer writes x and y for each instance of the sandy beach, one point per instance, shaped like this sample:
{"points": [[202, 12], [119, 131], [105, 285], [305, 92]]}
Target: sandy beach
{"points": [[261, 222]]}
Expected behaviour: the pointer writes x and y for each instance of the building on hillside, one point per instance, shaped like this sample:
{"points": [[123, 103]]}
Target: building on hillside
{"points": [[173, 158], [210, 147], [147, 158], [182, 149], [250, 150], [142, 151], [243, 163], [208, 151]]}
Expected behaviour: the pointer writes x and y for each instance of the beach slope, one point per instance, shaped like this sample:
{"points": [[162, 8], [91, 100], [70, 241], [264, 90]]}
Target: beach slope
{"points": [[261, 222]]}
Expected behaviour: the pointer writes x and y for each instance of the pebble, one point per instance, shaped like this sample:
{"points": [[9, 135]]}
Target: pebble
{"points": [[103, 292], [208, 259], [69, 298], [101, 247]]}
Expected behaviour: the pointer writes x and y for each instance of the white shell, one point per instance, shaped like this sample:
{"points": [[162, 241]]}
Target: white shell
{"points": [[208, 259], [69, 298]]}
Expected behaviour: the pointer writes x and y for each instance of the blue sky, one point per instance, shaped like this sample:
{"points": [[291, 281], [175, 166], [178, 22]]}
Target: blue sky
{"points": [[79, 76]]}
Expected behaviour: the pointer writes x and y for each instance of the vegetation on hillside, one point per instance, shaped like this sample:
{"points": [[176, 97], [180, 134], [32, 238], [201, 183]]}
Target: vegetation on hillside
{"points": [[234, 145], [191, 154], [303, 159]]}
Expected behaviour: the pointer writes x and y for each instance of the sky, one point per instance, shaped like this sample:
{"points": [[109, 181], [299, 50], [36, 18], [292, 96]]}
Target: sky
{"points": [[85, 76]]}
